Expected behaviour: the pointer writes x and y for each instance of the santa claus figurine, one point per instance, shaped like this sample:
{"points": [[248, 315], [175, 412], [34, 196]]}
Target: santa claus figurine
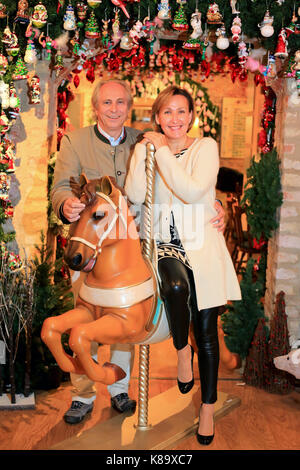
{"points": [[281, 48]]}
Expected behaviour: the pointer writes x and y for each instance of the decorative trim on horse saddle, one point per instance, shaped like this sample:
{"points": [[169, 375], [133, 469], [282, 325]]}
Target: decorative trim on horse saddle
{"points": [[118, 297]]}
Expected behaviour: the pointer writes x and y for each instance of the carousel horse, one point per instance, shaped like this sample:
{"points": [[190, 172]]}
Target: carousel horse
{"points": [[118, 302]]}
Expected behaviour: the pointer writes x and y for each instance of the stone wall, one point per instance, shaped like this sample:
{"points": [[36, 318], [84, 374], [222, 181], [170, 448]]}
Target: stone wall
{"points": [[284, 249]]}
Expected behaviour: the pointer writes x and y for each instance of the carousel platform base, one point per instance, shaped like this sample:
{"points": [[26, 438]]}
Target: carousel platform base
{"points": [[171, 418]]}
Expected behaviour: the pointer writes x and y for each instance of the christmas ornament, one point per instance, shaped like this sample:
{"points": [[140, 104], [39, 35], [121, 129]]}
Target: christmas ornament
{"points": [[4, 186], [69, 18], [39, 16], [136, 32], [233, 7], [7, 155], [20, 71], [4, 94], [91, 27], [296, 69], [270, 71], [236, 29], [193, 41], [292, 27], [3, 13], [14, 100], [47, 43], [180, 20], [105, 36], [213, 15], [222, 41], [34, 90], [59, 63], [126, 42], [81, 13], [242, 53], [265, 26], [75, 42], [10, 40], [30, 56], [3, 64], [117, 33], [281, 48], [4, 123], [22, 15], [164, 10], [121, 5], [94, 3]]}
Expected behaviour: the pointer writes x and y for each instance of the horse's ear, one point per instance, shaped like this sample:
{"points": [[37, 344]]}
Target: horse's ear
{"points": [[83, 180], [106, 185]]}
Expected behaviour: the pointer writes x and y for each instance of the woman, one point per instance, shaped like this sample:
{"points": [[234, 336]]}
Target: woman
{"points": [[196, 272]]}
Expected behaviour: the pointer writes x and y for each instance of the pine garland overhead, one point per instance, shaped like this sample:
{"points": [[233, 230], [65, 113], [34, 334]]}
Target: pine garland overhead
{"points": [[251, 13]]}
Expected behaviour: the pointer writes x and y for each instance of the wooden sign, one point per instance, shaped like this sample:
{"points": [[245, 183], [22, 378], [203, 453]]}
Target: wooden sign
{"points": [[236, 129]]}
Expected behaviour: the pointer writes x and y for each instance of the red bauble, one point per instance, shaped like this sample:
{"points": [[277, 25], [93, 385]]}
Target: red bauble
{"points": [[76, 80]]}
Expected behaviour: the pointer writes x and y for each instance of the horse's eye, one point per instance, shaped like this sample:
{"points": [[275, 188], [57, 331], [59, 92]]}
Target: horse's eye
{"points": [[98, 215]]}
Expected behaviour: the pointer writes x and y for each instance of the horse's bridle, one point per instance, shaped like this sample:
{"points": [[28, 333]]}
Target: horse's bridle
{"points": [[118, 214]]}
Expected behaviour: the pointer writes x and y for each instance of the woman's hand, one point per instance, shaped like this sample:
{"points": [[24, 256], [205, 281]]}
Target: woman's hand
{"points": [[156, 138], [219, 220]]}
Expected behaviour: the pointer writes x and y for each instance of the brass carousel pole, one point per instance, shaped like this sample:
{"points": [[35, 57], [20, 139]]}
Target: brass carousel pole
{"points": [[144, 351]]}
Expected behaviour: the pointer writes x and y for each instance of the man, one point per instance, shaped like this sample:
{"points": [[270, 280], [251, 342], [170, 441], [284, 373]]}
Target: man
{"points": [[102, 149]]}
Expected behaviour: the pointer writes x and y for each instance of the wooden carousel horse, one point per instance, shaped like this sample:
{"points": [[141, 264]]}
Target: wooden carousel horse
{"points": [[118, 302]]}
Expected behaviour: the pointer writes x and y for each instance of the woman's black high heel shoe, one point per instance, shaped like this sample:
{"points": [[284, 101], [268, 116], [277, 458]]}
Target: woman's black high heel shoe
{"points": [[185, 387], [204, 440]]}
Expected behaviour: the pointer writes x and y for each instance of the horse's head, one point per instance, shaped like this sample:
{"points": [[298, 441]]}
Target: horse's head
{"points": [[100, 223]]}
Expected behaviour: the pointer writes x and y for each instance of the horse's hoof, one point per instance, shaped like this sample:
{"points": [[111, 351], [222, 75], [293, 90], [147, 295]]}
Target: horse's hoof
{"points": [[114, 373]]}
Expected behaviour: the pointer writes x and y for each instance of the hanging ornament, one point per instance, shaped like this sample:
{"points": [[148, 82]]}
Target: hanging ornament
{"points": [[3, 64], [39, 16], [222, 41], [10, 40], [30, 56], [292, 27], [14, 100], [34, 90], [3, 13], [193, 41], [69, 18], [265, 26], [236, 29], [47, 43], [180, 21], [4, 123], [59, 63], [213, 15], [22, 15], [20, 70], [94, 3], [60, 4], [91, 28], [242, 53], [120, 4], [4, 185], [117, 33], [126, 42], [233, 7], [281, 48], [104, 33], [270, 70], [296, 69], [75, 43], [4, 95], [136, 32], [164, 12], [81, 13], [7, 153]]}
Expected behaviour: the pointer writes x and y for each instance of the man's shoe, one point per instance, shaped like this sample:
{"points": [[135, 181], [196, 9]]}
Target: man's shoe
{"points": [[77, 412], [123, 403]]}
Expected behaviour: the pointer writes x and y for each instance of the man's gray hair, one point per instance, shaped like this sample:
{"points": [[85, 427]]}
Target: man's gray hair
{"points": [[99, 85]]}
